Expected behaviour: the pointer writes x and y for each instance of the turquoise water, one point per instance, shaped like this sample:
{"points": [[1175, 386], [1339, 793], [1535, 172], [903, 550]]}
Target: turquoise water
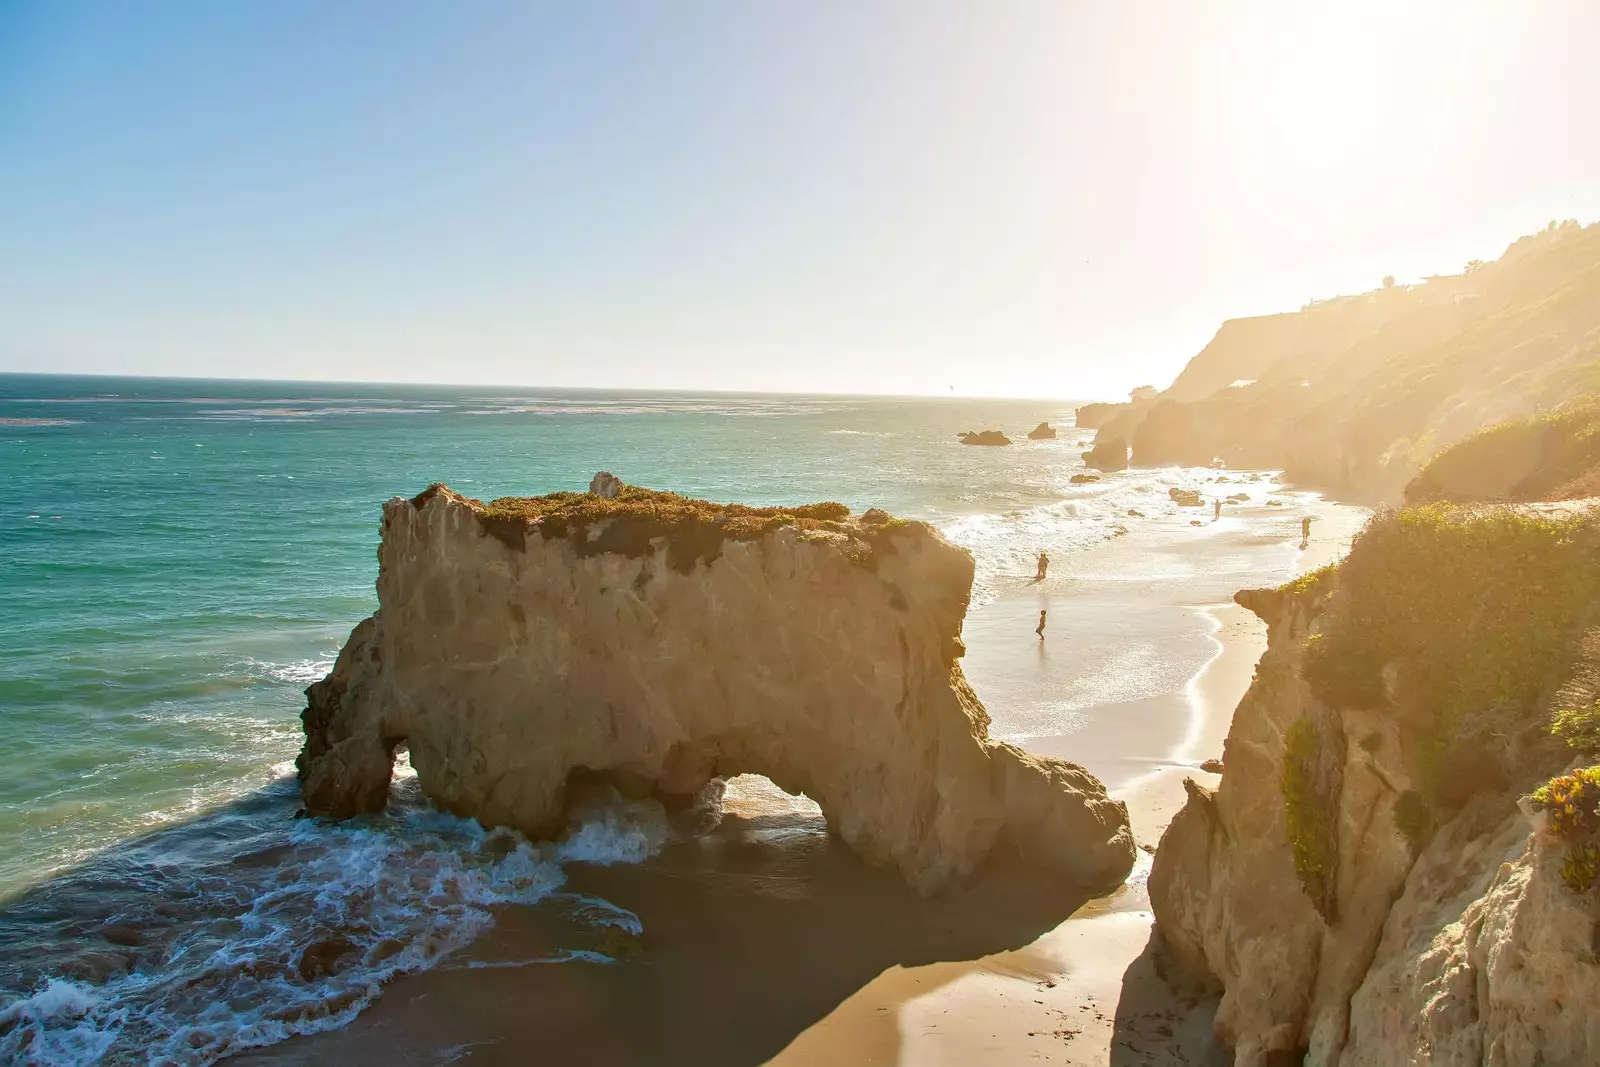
{"points": [[179, 559]]}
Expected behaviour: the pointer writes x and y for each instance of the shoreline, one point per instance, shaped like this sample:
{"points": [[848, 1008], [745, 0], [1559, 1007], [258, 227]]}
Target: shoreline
{"points": [[768, 941]]}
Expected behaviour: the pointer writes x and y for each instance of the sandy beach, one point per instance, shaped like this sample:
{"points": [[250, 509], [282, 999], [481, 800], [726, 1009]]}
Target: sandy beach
{"points": [[768, 941]]}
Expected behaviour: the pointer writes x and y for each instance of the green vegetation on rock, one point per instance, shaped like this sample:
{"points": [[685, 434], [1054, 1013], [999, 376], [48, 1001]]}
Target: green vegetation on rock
{"points": [[1579, 727], [1550, 456], [1573, 802], [693, 530], [1460, 620], [1310, 815]]}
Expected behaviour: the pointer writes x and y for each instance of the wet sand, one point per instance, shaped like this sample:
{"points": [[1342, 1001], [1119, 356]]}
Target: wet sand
{"points": [[768, 941]]}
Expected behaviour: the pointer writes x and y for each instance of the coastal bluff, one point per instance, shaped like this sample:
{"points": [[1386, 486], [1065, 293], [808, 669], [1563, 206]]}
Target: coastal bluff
{"points": [[1388, 873], [659, 642]]}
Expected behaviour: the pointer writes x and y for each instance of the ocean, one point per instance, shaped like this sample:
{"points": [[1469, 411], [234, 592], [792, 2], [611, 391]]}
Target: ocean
{"points": [[180, 558]]}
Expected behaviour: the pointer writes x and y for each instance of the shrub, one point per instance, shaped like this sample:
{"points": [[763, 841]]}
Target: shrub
{"points": [[1580, 867], [1571, 800], [1413, 818], [1478, 606], [1309, 816], [1579, 727]]}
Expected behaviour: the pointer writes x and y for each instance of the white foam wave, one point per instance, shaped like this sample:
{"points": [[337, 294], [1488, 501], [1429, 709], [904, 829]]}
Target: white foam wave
{"points": [[305, 944], [1006, 546], [299, 672]]}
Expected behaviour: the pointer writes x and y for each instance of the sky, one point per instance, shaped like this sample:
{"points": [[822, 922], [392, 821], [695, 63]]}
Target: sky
{"points": [[998, 198]]}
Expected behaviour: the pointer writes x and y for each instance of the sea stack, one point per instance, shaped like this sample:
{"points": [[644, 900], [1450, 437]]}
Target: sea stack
{"points": [[1042, 432], [663, 641], [984, 437]]}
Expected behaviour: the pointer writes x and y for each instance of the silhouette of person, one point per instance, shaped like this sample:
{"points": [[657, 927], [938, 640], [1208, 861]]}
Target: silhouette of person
{"points": [[1216, 509], [1040, 630], [1305, 528], [1044, 565]]}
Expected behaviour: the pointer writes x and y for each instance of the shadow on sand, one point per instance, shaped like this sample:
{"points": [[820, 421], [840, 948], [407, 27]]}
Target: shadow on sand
{"points": [[751, 934]]}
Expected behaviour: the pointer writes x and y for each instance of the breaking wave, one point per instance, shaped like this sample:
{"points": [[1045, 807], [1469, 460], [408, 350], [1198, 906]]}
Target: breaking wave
{"points": [[293, 929]]}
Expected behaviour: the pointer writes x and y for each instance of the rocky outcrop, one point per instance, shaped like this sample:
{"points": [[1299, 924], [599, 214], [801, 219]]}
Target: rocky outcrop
{"points": [[606, 486], [1487, 958], [1356, 393], [1042, 432], [1363, 887], [659, 642], [984, 437], [1184, 498], [1108, 454], [1093, 416], [1227, 898]]}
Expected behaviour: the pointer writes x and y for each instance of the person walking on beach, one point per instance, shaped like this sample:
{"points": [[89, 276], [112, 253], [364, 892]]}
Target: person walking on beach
{"points": [[1305, 528], [1044, 565], [1040, 630], [1216, 509]]}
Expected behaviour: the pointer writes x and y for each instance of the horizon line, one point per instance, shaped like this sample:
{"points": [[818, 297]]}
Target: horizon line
{"points": [[665, 391]]}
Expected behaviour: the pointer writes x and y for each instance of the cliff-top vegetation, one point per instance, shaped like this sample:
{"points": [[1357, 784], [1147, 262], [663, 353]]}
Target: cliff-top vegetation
{"points": [[694, 530], [1469, 625], [1552, 455]]}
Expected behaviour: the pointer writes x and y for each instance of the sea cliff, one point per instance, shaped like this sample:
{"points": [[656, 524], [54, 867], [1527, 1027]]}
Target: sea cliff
{"points": [[657, 643], [1393, 869], [1355, 394]]}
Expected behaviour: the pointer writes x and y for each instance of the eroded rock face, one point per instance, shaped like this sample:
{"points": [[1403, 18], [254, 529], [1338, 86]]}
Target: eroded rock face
{"points": [[1474, 953], [1224, 889], [1108, 454], [509, 652], [1486, 959]]}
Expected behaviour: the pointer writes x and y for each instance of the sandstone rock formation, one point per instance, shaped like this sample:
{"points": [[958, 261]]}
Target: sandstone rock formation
{"points": [[1184, 498], [660, 642], [1357, 393], [606, 485], [1108, 454], [1093, 416], [984, 437], [1331, 941], [1042, 432]]}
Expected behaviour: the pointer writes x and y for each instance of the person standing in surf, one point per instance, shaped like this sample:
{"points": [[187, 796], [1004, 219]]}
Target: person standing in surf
{"points": [[1044, 565], [1040, 629]]}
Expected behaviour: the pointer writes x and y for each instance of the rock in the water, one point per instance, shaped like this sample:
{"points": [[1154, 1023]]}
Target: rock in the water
{"points": [[663, 642], [606, 485], [1134, 513], [1187, 498], [1083, 479], [1211, 766], [1042, 432], [984, 437], [1094, 416], [1108, 454]]}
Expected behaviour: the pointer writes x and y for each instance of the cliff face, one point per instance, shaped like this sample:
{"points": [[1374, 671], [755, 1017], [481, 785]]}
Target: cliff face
{"points": [[1364, 886], [659, 643], [1355, 394], [1226, 895]]}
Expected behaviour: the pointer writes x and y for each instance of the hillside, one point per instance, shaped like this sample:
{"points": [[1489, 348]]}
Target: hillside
{"points": [[1357, 393], [1550, 456]]}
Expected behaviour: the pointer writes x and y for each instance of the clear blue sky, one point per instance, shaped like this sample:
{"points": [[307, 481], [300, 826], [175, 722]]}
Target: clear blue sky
{"points": [[894, 197]]}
